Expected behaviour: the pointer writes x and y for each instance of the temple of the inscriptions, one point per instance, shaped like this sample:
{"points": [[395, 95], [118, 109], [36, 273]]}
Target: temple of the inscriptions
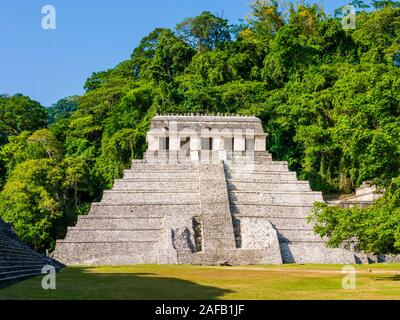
{"points": [[207, 192]]}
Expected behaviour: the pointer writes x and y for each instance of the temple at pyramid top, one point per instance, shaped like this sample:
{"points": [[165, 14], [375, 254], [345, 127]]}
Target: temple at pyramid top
{"points": [[201, 136]]}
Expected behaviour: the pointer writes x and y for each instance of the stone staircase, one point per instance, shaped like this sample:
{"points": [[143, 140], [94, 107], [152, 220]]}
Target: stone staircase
{"points": [[18, 261], [269, 191], [218, 238], [217, 221]]}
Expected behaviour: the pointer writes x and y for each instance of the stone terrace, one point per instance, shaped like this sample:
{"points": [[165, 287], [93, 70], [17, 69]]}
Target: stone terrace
{"points": [[18, 261]]}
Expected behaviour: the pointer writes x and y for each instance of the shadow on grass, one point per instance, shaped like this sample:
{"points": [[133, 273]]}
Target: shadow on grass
{"points": [[83, 283], [391, 278]]}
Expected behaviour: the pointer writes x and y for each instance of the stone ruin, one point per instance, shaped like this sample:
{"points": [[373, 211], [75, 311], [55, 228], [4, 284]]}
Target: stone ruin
{"points": [[17, 260], [207, 192]]}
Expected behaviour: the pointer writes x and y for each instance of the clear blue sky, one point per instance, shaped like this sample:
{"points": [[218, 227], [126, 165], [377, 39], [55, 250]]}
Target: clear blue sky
{"points": [[90, 36]]}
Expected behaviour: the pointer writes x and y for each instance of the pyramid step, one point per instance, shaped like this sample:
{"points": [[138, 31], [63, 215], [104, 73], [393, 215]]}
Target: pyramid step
{"points": [[263, 157], [15, 250], [291, 223], [158, 180], [260, 168], [90, 222], [171, 172], [128, 187], [278, 163], [238, 185], [171, 185], [15, 259], [98, 235], [169, 161], [150, 197], [267, 155], [270, 211], [257, 156], [15, 267], [144, 210], [13, 264], [234, 257], [108, 253], [298, 235], [5, 238], [9, 254], [268, 203], [294, 223], [18, 250], [265, 177], [313, 252], [15, 273], [12, 259], [141, 216], [161, 175], [13, 243], [259, 197], [12, 279], [147, 166]]}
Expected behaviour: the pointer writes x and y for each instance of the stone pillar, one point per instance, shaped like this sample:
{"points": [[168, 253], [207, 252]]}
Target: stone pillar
{"points": [[194, 147], [260, 143], [174, 142], [239, 141], [194, 143], [217, 143], [174, 137], [152, 141], [219, 148], [250, 136]]}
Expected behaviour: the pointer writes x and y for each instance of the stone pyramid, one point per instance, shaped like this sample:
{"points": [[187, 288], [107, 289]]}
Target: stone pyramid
{"points": [[207, 192]]}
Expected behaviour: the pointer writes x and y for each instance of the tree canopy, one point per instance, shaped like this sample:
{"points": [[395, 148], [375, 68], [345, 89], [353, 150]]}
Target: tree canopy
{"points": [[19, 113], [205, 31]]}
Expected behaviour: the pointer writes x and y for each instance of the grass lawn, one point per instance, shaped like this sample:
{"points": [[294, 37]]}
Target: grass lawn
{"points": [[196, 282]]}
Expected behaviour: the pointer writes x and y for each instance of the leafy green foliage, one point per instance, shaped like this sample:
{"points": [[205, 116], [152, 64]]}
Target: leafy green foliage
{"points": [[19, 113], [62, 109], [205, 31], [28, 201], [375, 229]]}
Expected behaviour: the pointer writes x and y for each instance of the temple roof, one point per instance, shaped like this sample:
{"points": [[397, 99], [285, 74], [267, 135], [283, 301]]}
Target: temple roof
{"points": [[197, 117]]}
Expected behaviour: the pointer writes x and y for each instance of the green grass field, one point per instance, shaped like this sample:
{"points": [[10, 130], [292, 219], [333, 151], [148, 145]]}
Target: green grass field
{"points": [[196, 282]]}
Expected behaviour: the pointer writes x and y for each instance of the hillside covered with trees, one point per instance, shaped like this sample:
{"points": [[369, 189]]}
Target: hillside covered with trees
{"points": [[328, 97]]}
